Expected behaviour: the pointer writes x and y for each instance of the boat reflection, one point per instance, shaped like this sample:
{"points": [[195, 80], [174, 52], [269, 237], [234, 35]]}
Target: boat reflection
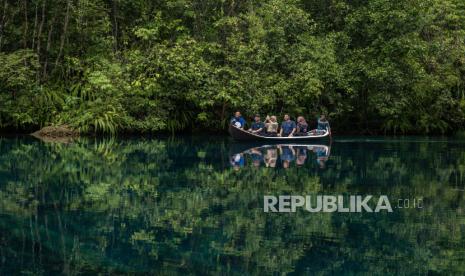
{"points": [[281, 155]]}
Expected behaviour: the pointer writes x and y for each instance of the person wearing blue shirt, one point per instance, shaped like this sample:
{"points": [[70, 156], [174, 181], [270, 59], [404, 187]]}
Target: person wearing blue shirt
{"points": [[258, 126], [288, 127], [237, 120]]}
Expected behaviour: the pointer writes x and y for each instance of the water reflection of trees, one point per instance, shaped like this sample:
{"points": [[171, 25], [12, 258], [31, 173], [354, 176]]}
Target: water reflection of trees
{"points": [[177, 206]]}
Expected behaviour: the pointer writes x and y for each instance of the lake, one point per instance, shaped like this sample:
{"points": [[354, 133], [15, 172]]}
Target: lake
{"points": [[195, 205]]}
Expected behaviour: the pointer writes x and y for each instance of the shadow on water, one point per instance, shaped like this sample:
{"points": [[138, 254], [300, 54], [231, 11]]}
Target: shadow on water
{"points": [[190, 205]]}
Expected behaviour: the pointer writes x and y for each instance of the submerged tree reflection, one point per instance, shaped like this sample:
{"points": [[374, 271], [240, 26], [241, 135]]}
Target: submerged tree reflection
{"points": [[148, 205]]}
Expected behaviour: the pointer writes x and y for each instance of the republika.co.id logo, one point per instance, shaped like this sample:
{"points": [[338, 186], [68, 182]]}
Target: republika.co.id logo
{"points": [[332, 203]]}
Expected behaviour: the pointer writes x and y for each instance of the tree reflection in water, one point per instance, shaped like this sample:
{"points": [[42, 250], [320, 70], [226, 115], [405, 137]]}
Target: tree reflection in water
{"points": [[170, 206]]}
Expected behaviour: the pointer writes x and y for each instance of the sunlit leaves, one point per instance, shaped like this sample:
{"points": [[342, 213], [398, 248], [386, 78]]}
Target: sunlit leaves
{"points": [[147, 66]]}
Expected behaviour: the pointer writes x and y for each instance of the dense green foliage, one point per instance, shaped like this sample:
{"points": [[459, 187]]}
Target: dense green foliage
{"points": [[137, 65], [170, 207]]}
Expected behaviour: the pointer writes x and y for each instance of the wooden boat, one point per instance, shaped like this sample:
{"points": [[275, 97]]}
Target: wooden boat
{"points": [[243, 135]]}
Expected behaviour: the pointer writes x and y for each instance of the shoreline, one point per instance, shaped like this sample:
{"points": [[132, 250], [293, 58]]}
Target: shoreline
{"points": [[222, 135], [57, 132]]}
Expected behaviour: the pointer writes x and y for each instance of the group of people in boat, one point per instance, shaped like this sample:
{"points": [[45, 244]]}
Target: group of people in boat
{"points": [[288, 128]]}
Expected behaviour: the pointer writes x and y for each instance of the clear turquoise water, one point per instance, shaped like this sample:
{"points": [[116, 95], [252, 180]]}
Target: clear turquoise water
{"points": [[195, 205]]}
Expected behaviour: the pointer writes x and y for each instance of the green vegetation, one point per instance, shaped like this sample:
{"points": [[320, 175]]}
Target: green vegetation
{"points": [[150, 206], [112, 66]]}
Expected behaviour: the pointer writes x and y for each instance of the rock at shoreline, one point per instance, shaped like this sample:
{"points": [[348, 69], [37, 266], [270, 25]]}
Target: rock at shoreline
{"points": [[61, 133]]}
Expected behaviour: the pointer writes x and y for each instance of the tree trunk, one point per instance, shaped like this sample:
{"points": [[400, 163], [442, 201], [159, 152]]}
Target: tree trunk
{"points": [[39, 35], [232, 6], [114, 10], [34, 33], [25, 25], [3, 22], [47, 50], [63, 35]]}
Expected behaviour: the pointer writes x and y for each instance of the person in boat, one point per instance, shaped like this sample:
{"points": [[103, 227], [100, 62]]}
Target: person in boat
{"points": [[302, 127], [258, 126], [267, 120], [271, 127], [238, 121], [322, 125], [288, 127]]}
